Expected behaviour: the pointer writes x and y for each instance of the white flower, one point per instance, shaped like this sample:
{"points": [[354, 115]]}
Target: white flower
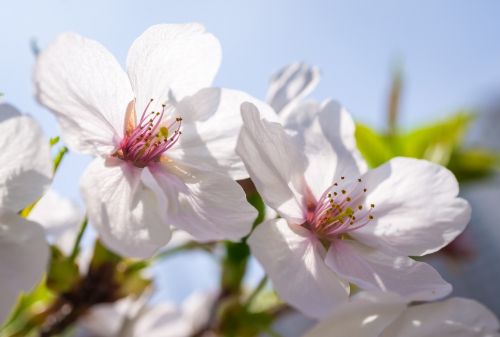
{"points": [[387, 315], [172, 164], [136, 318], [289, 85], [287, 88], [60, 217], [25, 173], [340, 223]]}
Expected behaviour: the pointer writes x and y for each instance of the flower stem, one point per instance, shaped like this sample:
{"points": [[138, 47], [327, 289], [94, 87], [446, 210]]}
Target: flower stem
{"points": [[256, 292], [187, 246], [76, 245], [59, 157]]}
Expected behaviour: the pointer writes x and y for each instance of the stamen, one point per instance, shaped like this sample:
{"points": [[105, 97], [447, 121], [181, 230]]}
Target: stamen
{"points": [[150, 139], [340, 213]]}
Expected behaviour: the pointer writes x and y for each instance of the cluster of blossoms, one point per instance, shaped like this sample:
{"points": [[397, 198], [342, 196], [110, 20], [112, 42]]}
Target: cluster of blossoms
{"points": [[169, 152]]}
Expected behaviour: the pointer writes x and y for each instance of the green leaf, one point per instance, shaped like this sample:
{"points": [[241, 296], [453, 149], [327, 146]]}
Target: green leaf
{"points": [[102, 255], [132, 283], [38, 298], [54, 140], [256, 201], [235, 320], [374, 147], [234, 266], [436, 142], [474, 164], [63, 272]]}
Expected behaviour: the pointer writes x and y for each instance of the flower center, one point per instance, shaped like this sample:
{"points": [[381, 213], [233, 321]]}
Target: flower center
{"points": [[341, 209], [147, 140]]}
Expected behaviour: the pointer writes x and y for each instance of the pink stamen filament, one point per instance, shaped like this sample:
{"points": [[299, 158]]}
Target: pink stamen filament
{"points": [[149, 139], [340, 210]]}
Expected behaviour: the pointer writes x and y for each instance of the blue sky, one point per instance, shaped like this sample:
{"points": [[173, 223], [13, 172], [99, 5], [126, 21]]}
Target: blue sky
{"points": [[450, 50]]}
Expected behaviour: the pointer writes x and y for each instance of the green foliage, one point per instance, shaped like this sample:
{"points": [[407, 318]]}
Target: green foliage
{"points": [[236, 321], [375, 148], [23, 319], [63, 272], [234, 266], [473, 164], [127, 275], [440, 142], [256, 201], [102, 255], [437, 141], [54, 140]]}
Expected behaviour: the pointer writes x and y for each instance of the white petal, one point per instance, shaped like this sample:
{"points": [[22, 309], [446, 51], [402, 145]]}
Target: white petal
{"points": [[455, 317], [24, 255], [302, 116], [26, 166], [60, 226], [211, 124], [327, 134], [274, 162], [366, 316], [161, 320], [105, 319], [207, 205], [417, 210], [123, 210], [296, 268], [85, 87], [290, 84], [196, 309], [172, 59], [371, 269], [179, 238]]}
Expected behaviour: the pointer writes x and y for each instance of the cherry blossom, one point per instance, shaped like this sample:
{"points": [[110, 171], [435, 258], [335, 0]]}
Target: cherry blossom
{"points": [[25, 173], [290, 85], [136, 318], [388, 315], [60, 217], [164, 141], [340, 223]]}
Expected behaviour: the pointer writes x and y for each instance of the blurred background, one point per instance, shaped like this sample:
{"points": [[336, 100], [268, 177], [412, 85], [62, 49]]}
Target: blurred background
{"points": [[442, 57]]}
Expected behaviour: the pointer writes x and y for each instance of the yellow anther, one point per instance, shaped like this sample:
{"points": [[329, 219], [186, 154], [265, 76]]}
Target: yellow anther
{"points": [[164, 131]]}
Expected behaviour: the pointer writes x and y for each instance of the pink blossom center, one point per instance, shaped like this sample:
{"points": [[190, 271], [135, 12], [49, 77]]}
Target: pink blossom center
{"points": [[341, 209], [149, 138]]}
